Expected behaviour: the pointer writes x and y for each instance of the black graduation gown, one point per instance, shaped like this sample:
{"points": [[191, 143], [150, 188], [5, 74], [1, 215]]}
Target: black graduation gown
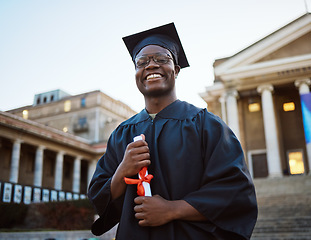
{"points": [[194, 157]]}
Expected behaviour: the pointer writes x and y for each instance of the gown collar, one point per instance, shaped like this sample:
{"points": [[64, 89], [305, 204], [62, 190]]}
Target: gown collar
{"points": [[176, 110]]}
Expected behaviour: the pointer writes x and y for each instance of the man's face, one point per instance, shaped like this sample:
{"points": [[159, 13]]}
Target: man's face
{"points": [[156, 79]]}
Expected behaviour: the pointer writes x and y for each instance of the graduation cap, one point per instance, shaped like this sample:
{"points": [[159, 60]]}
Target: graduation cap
{"points": [[165, 36]]}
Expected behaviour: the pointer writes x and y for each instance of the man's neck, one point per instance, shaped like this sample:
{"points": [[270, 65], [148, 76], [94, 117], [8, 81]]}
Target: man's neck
{"points": [[155, 105]]}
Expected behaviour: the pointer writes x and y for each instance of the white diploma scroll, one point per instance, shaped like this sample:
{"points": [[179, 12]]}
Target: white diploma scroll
{"points": [[146, 185]]}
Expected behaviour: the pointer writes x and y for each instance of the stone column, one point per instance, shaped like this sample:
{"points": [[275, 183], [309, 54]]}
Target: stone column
{"points": [[232, 112], [37, 181], [272, 142], [58, 181], [222, 101], [303, 86], [76, 175], [91, 170], [15, 161]]}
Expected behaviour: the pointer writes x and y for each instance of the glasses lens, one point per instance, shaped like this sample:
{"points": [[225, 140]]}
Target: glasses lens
{"points": [[161, 58], [141, 61]]}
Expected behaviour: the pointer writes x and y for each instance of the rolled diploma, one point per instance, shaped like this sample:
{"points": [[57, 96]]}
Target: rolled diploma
{"points": [[145, 184]]}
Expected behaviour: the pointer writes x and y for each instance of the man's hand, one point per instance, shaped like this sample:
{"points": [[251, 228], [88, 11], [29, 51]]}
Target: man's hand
{"points": [[136, 157], [156, 211], [152, 211]]}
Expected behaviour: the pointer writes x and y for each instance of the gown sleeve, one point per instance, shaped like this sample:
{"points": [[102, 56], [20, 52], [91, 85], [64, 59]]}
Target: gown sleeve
{"points": [[227, 195], [99, 191]]}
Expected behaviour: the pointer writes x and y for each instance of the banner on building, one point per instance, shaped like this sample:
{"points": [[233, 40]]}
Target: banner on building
{"points": [[36, 195], [17, 193], [306, 115], [45, 195], [76, 196], [27, 195], [10, 192], [53, 196], [61, 196], [68, 196], [7, 192]]}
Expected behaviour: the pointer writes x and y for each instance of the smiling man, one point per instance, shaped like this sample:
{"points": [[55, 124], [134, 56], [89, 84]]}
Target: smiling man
{"points": [[201, 186], [155, 77]]}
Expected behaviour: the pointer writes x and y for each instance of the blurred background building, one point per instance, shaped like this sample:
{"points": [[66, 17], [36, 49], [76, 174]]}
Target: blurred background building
{"points": [[49, 150], [92, 115], [258, 90], [263, 93]]}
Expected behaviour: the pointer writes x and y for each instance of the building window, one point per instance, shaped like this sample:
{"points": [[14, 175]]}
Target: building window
{"points": [[81, 125], [67, 106], [254, 107], [38, 101], [83, 102], [82, 121], [295, 161], [287, 107], [44, 100], [25, 114], [52, 98]]}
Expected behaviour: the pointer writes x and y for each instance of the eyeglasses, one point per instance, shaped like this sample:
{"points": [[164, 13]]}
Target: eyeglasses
{"points": [[158, 58]]}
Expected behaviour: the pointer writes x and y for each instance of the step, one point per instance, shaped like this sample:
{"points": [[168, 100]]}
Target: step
{"points": [[281, 236]]}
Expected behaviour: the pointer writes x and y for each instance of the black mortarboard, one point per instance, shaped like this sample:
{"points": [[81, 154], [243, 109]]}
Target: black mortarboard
{"points": [[165, 36]]}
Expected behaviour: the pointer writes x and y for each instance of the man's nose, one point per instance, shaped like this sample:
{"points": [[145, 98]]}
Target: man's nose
{"points": [[152, 63]]}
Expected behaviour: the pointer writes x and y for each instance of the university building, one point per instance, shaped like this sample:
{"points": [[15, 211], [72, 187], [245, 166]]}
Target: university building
{"points": [[49, 150], [259, 92], [92, 115]]}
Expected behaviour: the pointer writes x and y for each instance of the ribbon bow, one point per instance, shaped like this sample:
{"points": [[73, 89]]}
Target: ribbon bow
{"points": [[143, 178]]}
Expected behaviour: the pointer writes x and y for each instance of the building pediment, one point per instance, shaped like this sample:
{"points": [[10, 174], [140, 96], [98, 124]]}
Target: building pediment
{"points": [[257, 92], [287, 50]]}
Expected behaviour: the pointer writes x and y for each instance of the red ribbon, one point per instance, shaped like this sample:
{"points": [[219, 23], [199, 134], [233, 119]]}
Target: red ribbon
{"points": [[139, 182]]}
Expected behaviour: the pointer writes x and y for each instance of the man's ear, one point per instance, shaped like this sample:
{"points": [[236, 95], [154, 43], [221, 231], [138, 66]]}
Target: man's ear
{"points": [[177, 69]]}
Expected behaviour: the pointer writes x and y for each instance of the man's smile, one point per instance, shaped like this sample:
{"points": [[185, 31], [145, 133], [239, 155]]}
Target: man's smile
{"points": [[153, 76]]}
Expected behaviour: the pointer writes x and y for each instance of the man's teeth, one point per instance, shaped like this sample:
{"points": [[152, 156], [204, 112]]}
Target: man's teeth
{"points": [[153, 76]]}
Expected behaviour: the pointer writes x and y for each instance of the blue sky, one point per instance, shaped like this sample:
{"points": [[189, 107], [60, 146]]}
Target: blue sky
{"points": [[77, 45]]}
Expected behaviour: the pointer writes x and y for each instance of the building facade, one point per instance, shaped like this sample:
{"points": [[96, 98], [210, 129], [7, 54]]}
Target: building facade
{"points": [[49, 150], [47, 162], [258, 92], [92, 115]]}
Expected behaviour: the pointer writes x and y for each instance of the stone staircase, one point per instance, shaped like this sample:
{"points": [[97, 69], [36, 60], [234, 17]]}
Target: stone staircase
{"points": [[284, 214], [284, 209]]}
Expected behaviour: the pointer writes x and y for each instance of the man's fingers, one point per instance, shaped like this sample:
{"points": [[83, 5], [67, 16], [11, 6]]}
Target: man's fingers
{"points": [[143, 223], [137, 149], [138, 143], [139, 216], [143, 136], [142, 156], [138, 209], [139, 200]]}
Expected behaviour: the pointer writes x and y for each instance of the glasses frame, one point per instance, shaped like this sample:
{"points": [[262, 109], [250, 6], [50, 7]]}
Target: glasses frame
{"points": [[153, 58]]}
